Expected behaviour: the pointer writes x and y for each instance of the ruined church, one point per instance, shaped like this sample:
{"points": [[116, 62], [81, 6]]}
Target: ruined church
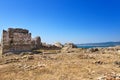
{"points": [[18, 40]]}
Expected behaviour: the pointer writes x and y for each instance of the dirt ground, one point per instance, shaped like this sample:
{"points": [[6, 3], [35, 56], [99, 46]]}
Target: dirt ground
{"points": [[55, 65]]}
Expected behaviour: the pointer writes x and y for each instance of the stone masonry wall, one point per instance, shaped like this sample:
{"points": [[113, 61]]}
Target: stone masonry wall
{"points": [[36, 42], [16, 39]]}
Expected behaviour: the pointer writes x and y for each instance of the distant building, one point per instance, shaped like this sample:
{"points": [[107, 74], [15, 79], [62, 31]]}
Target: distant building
{"points": [[18, 40]]}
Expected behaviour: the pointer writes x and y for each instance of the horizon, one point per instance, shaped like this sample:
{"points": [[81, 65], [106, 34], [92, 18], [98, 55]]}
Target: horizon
{"points": [[75, 21]]}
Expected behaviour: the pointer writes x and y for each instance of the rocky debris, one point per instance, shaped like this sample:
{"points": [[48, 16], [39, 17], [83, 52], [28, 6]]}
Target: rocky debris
{"points": [[110, 50], [118, 51], [26, 53], [99, 62], [68, 47], [27, 57], [117, 47], [49, 47], [8, 54], [110, 76], [18, 53], [86, 56], [115, 50], [117, 63], [41, 65], [58, 44], [14, 59], [73, 63], [48, 58], [28, 67], [91, 50], [36, 52], [11, 60]]}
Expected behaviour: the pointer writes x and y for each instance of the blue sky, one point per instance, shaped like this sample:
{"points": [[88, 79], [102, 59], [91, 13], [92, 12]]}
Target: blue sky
{"points": [[77, 21]]}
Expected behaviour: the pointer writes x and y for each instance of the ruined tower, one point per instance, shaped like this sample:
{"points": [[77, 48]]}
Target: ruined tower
{"points": [[16, 40]]}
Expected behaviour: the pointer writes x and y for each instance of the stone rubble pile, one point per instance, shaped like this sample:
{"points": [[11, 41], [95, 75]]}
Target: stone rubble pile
{"points": [[28, 67], [110, 76]]}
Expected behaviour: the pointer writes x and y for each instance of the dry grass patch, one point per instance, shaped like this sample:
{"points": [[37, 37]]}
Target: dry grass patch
{"points": [[62, 66]]}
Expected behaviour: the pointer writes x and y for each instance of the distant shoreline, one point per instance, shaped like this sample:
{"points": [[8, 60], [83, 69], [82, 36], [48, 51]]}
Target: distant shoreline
{"points": [[92, 46]]}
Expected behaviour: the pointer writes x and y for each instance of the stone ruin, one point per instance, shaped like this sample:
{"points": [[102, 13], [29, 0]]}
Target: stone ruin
{"points": [[18, 40]]}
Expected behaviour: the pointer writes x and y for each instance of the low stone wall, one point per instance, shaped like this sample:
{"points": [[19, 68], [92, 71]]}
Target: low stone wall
{"points": [[0, 51]]}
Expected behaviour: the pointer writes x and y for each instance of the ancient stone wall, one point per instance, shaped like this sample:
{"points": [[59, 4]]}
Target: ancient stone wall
{"points": [[36, 42], [0, 51], [16, 39]]}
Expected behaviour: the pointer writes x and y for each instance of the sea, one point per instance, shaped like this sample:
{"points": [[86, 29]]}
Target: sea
{"points": [[101, 45], [91, 46]]}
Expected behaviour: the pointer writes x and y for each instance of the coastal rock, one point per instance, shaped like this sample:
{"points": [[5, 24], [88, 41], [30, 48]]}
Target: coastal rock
{"points": [[70, 45], [58, 44]]}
